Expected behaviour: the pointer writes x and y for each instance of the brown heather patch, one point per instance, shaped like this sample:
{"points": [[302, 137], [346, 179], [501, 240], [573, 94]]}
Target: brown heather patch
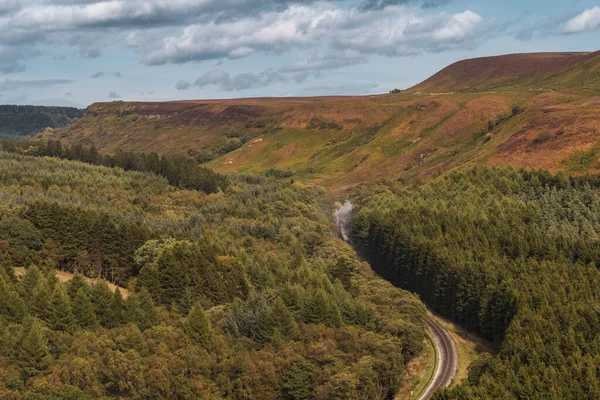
{"points": [[502, 71]]}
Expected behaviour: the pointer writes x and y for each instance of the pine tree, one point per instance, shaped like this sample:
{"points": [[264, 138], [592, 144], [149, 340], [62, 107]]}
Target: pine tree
{"points": [[34, 356], [83, 310], [140, 307], [101, 299], [39, 304], [30, 281], [7, 271], [61, 316], [3, 336], [316, 309], [197, 327], [301, 381], [117, 311], [282, 320], [11, 305], [93, 156], [334, 316], [52, 281], [173, 266], [73, 286]]}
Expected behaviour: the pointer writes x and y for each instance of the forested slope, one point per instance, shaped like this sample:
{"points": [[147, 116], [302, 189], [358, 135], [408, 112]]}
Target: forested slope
{"points": [[242, 294], [19, 121], [512, 255]]}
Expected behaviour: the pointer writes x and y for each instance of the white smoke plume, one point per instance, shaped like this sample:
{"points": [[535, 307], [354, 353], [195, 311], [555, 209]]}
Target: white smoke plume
{"points": [[342, 216]]}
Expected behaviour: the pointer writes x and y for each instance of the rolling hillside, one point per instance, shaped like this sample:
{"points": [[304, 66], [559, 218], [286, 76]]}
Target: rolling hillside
{"points": [[536, 110]]}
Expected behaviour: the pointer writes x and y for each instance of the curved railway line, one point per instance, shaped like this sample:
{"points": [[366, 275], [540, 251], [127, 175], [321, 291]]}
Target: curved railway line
{"points": [[447, 359]]}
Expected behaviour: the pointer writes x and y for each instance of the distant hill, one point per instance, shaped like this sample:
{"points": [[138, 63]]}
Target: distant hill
{"points": [[532, 111], [18, 121], [575, 71]]}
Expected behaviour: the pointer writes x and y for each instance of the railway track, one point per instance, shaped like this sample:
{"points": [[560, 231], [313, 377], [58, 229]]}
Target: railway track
{"points": [[447, 359]]}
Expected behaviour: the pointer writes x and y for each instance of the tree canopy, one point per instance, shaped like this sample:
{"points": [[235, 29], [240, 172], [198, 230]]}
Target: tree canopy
{"points": [[245, 293], [512, 255]]}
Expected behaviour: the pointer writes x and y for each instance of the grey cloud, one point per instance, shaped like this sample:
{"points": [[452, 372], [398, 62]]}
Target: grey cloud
{"points": [[101, 74], [528, 28], [334, 60], [69, 14], [74, 2], [90, 53], [381, 4], [32, 84], [224, 81], [9, 6], [13, 59], [303, 76], [114, 95], [213, 78], [183, 85]]}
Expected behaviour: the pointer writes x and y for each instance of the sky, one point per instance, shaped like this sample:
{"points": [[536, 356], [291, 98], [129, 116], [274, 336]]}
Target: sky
{"points": [[76, 52]]}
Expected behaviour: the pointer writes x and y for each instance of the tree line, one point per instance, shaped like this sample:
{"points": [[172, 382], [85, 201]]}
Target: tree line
{"points": [[19, 121], [181, 172]]}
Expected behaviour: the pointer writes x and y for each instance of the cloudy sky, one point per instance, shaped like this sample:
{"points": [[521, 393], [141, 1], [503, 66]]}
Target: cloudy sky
{"points": [[75, 52]]}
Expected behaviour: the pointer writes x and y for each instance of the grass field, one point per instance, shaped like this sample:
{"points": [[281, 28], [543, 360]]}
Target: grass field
{"points": [[66, 276]]}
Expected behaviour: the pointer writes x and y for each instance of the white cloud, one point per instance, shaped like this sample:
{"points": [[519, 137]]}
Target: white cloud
{"points": [[181, 31], [92, 25], [586, 21], [273, 32], [393, 31], [458, 27]]}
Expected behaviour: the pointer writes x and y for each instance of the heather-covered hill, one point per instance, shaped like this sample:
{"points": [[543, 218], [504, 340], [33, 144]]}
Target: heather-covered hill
{"points": [[554, 71], [531, 111]]}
